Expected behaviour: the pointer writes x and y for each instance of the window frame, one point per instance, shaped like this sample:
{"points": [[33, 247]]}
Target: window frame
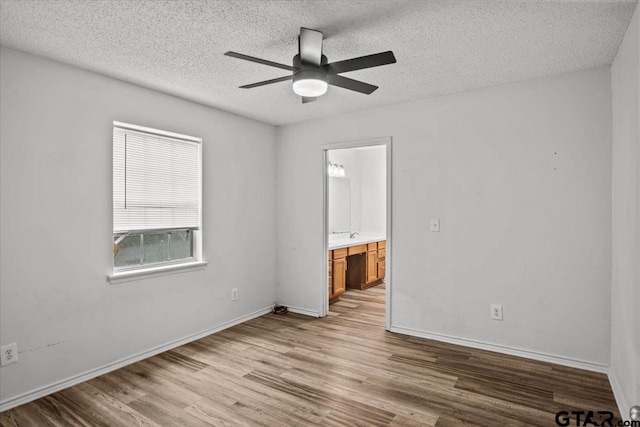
{"points": [[152, 269]]}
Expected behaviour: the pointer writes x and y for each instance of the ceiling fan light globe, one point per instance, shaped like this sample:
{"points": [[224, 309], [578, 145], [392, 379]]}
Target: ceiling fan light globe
{"points": [[310, 87], [310, 83]]}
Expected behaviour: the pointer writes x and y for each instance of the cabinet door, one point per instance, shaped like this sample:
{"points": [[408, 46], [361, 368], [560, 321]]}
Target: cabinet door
{"points": [[372, 266], [339, 275], [382, 254], [330, 274], [381, 270]]}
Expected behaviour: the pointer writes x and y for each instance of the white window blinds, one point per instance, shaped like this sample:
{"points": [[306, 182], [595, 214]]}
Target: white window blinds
{"points": [[156, 180]]}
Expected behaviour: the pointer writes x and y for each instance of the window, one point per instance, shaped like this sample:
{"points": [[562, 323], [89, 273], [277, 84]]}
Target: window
{"points": [[157, 192]]}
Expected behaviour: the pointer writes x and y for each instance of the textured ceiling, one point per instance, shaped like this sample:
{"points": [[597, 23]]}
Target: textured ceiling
{"points": [[441, 46]]}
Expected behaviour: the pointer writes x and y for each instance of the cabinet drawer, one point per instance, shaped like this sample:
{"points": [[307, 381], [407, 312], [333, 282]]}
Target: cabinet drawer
{"points": [[360, 249], [340, 253], [372, 246], [382, 253], [330, 255], [382, 245]]}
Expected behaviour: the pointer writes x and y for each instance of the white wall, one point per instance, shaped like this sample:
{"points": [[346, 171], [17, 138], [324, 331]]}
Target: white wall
{"points": [[625, 293], [56, 223], [520, 177]]}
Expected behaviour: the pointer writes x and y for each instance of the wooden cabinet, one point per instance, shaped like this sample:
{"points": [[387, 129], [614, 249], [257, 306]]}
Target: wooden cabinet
{"points": [[376, 257], [372, 266], [337, 273], [339, 276], [330, 268], [382, 255], [366, 268]]}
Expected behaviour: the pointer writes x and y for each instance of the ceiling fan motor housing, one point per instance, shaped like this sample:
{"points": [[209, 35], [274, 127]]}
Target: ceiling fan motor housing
{"points": [[310, 79]]}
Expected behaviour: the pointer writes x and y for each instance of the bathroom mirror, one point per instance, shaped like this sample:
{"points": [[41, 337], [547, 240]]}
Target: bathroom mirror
{"points": [[339, 204]]}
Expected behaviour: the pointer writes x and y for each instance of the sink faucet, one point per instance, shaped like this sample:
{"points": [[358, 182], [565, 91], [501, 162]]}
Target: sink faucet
{"points": [[353, 235]]}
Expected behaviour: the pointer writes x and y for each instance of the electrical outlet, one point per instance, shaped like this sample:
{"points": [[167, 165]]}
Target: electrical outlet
{"points": [[9, 354], [496, 312], [435, 225], [234, 294]]}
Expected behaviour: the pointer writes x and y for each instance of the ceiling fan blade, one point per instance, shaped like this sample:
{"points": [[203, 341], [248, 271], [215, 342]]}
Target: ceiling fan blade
{"points": [[369, 61], [307, 99], [351, 84], [310, 46], [267, 82], [260, 61]]}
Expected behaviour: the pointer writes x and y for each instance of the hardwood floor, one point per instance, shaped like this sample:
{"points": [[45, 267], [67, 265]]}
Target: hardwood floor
{"points": [[344, 370]]}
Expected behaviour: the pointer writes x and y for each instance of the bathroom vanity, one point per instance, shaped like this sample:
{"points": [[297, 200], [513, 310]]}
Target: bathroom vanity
{"points": [[355, 264]]}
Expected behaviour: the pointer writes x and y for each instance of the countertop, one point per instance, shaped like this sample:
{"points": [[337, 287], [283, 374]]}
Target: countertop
{"points": [[358, 240]]}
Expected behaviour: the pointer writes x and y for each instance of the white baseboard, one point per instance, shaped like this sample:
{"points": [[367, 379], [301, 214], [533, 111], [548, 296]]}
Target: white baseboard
{"points": [[76, 379], [513, 351], [303, 311], [623, 405]]}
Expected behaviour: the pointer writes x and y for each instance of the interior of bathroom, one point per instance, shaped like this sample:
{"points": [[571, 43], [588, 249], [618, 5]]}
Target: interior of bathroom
{"points": [[357, 218]]}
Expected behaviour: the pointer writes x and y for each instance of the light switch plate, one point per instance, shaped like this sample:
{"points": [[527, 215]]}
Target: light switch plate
{"points": [[435, 225]]}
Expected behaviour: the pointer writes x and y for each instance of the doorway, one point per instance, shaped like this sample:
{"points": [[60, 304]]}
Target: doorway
{"points": [[357, 221]]}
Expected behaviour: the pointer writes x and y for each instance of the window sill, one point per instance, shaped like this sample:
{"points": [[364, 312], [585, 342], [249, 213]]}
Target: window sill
{"points": [[146, 273]]}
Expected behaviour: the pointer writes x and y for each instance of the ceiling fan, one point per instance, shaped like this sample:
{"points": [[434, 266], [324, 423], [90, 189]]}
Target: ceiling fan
{"points": [[311, 72]]}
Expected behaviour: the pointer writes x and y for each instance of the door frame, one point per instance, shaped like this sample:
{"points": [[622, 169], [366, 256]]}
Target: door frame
{"points": [[324, 292]]}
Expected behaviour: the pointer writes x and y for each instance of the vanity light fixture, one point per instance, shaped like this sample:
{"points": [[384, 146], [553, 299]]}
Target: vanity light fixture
{"points": [[334, 169]]}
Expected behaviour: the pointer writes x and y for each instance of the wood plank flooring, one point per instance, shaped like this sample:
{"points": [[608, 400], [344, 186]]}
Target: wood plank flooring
{"points": [[344, 370]]}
